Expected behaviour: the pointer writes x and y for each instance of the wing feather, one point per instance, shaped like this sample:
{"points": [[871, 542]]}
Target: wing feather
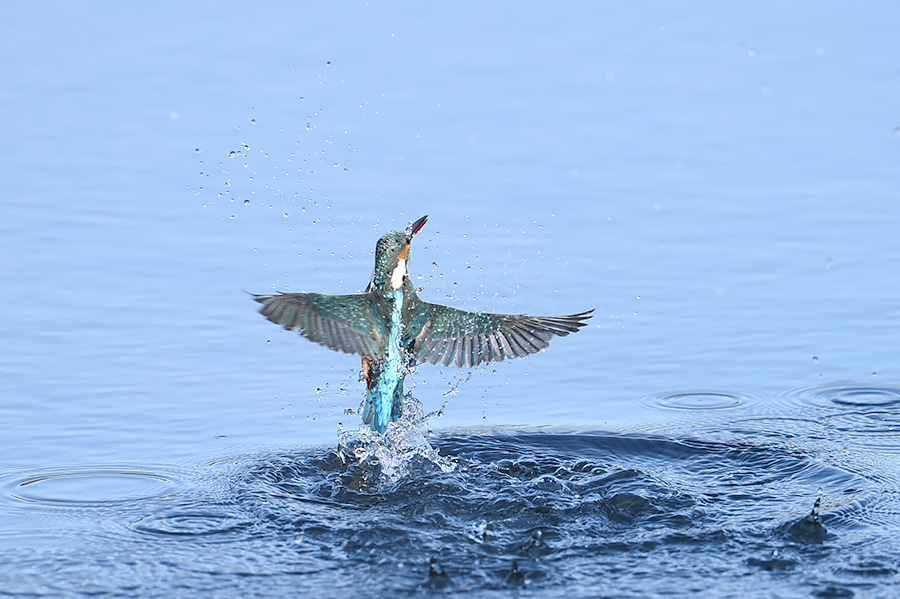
{"points": [[339, 322], [471, 338]]}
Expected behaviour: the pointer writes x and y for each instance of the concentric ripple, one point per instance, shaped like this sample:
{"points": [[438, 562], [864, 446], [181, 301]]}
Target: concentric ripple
{"points": [[87, 488], [697, 400], [867, 414], [186, 523], [864, 396]]}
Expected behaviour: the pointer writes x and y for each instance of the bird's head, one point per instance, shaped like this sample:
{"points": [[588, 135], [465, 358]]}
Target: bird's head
{"points": [[392, 257]]}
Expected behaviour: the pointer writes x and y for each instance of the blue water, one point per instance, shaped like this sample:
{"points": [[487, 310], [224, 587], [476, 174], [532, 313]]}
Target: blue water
{"points": [[718, 181]]}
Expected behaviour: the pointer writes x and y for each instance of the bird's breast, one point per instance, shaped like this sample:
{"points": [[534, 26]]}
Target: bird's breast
{"points": [[398, 274]]}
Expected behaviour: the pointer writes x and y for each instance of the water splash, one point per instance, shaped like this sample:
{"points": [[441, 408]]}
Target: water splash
{"points": [[551, 512], [373, 459]]}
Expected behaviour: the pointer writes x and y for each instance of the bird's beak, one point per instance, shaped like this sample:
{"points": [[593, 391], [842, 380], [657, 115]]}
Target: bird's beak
{"points": [[416, 226]]}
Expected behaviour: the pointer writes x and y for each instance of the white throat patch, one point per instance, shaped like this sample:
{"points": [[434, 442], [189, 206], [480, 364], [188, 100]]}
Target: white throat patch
{"points": [[398, 274]]}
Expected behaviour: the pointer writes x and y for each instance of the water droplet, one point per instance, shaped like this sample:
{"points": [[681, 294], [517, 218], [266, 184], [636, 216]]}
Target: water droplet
{"points": [[196, 150], [478, 531], [815, 359], [246, 202], [252, 121]]}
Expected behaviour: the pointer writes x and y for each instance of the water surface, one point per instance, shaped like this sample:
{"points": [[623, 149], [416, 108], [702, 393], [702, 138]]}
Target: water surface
{"points": [[747, 504], [719, 182]]}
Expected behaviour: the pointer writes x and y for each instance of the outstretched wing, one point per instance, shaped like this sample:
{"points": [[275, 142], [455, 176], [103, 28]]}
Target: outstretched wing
{"points": [[471, 338], [340, 322]]}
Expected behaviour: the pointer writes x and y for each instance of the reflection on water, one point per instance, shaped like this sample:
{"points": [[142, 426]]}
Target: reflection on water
{"points": [[575, 513]]}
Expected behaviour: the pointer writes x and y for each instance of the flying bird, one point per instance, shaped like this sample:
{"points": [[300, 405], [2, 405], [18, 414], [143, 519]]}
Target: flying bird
{"points": [[393, 330]]}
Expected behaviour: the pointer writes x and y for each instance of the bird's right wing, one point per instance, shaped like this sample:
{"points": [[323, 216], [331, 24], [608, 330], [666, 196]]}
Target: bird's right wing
{"points": [[339, 322], [471, 338]]}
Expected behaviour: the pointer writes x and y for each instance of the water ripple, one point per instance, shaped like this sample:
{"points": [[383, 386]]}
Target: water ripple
{"points": [[697, 400], [85, 488], [186, 523], [552, 511], [864, 396], [867, 414]]}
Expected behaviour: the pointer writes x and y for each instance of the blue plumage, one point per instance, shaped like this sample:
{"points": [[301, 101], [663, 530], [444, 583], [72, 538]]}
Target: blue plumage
{"points": [[392, 329]]}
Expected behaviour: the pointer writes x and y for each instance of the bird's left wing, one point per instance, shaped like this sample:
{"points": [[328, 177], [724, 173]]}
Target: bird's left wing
{"points": [[340, 322], [448, 335]]}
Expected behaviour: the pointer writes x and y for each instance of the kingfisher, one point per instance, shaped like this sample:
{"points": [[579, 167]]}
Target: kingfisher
{"points": [[393, 330]]}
